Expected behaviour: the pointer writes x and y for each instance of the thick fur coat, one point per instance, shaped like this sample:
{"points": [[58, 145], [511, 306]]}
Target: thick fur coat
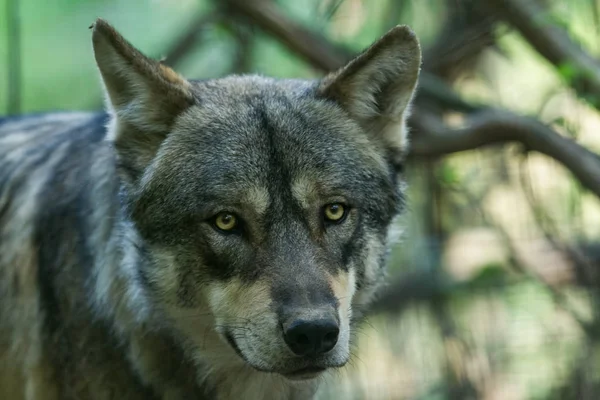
{"points": [[201, 239]]}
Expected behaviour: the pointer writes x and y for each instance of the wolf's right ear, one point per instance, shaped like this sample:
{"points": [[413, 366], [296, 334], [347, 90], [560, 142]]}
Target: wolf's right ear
{"points": [[376, 87], [144, 95]]}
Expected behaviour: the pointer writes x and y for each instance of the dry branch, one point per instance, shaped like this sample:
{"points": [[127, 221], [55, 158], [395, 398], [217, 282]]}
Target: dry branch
{"points": [[494, 126], [324, 55]]}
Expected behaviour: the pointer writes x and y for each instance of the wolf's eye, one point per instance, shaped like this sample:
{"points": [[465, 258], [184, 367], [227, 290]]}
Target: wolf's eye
{"points": [[226, 221], [334, 212]]}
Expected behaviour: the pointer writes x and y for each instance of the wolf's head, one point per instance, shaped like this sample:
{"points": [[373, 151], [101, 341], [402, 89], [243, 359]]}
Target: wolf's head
{"points": [[264, 206]]}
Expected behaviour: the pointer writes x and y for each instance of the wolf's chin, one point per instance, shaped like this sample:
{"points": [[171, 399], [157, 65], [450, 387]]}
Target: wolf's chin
{"points": [[304, 374]]}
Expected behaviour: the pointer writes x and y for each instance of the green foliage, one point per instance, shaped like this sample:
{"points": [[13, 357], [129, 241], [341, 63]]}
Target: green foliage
{"points": [[568, 72], [489, 276]]}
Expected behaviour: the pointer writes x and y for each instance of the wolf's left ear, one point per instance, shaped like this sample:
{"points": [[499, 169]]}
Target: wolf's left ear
{"points": [[142, 91], [376, 88], [144, 95]]}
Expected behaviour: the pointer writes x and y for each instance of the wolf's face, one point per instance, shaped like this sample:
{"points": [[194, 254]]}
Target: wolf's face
{"points": [[263, 205]]}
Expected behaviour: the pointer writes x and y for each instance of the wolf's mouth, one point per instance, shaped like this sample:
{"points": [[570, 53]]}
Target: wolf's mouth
{"points": [[301, 374], [237, 350], [235, 346]]}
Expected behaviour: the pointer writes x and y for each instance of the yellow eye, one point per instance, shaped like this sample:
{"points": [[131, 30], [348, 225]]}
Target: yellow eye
{"points": [[334, 212], [226, 221]]}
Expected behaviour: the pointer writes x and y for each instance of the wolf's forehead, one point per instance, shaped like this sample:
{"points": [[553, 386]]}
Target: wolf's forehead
{"points": [[257, 132], [253, 148]]}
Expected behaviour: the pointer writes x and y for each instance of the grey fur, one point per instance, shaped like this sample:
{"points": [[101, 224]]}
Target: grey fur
{"points": [[114, 281]]}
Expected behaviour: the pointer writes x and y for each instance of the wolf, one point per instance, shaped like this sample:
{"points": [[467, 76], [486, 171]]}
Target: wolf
{"points": [[201, 239]]}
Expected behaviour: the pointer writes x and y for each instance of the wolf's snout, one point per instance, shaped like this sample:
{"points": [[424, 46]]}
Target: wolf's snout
{"points": [[311, 338]]}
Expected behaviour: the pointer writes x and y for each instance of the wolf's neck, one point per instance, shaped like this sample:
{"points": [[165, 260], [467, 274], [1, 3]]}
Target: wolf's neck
{"points": [[119, 295], [121, 299]]}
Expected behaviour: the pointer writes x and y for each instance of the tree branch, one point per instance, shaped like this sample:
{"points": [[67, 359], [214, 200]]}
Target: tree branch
{"points": [[467, 32], [326, 56], [531, 19], [414, 287], [433, 138], [311, 47]]}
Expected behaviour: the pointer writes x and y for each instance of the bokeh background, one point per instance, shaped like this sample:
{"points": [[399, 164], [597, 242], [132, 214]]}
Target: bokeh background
{"points": [[493, 292]]}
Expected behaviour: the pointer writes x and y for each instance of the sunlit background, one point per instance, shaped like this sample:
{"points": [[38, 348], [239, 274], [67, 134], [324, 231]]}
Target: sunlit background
{"points": [[493, 291]]}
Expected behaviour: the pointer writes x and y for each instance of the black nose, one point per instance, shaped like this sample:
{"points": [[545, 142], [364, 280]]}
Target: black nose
{"points": [[311, 338]]}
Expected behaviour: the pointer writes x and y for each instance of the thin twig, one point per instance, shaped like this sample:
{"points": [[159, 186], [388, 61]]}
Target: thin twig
{"points": [[244, 37], [549, 229], [182, 46]]}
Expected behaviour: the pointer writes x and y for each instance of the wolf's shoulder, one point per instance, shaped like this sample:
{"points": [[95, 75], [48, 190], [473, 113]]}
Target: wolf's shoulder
{"points": [[30, 143], [44, 152], [48, 159]]}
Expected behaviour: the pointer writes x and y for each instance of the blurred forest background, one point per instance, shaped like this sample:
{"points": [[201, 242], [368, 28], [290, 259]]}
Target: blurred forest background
{"points": [[494, 291]]}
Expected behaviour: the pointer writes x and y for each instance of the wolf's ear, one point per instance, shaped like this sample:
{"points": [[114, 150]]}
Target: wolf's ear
{"points": [[144, 95], [376, 87]]}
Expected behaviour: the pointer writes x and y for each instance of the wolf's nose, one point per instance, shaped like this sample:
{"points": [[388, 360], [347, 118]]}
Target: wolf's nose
{"points": [[311, 338]]}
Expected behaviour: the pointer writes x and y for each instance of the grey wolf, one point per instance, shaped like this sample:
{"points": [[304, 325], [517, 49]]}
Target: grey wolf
{"points": [[200, 239]]}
